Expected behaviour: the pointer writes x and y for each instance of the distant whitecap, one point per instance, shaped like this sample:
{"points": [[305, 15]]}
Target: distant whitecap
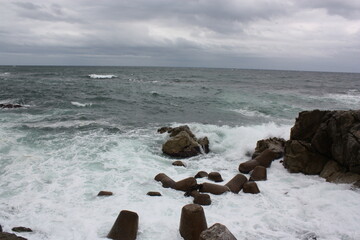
{"points": [[102, 76], [81, 104]]}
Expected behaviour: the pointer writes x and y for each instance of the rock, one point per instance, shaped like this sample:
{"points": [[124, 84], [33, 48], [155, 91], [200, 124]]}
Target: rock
{"points": [[330, 168], [183, 143], [263, 159], [202, 199], [166, 181], [104, 193], [178, 163], [9, 105], [213, 188], [186, 185], [164, 129], [258, 174], [301, 157], [154, 194], [251, 187], [357, 184], [217, 232], [274, 144], [125, 226], [0, 228], [341, 177], [236, 183], [192, 222], [10, 236], [215, 176], [201, 174], [21, 229]]}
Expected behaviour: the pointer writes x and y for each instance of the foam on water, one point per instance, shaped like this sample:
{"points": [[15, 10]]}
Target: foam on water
{"points": [[81, 104], [51, 186], [102, 76]]}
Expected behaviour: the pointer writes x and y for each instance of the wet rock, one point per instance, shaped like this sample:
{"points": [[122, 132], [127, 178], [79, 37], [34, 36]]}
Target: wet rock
{"points": [[204, 143], [104, 193], [330, 168], [213, 188], [236, 183], [9, 105], [0, 228], [185, 128], [274, 144], [341, 177], [215, 176], [21, 229], [301, 157], [251, 187], [186, 185], [217, 232], [263, 159], [166, 181], [154, 194], [125, 226], [202, 199], [164, 129], [258, 174], [178, 164], [10, 236], [201, 174], [192, 222]]}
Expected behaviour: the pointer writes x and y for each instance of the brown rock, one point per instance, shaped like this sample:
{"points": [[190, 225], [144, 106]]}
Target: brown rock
{"points": [[164, 129], [154, 194], [202, 199], [21, 229], [10, 236], [125, 226], [192, 222], [215, 176], [248, 166], [178, 163], [181, 145], [251, 187], [258, 174], [213, 188], [274, 144], [186, 185], [166, 181], [201, 174], [217, 232], [330, 168], [104, 193], [301, 157], [185, 128], [204, 143], [341, 177], [263, 159], [236, 183]]}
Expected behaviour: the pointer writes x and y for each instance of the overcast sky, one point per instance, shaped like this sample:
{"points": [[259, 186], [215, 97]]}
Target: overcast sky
{"points": [[321, 35]]}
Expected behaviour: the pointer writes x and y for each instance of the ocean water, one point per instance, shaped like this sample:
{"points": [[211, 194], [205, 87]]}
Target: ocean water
{"points": [[87, 129]]}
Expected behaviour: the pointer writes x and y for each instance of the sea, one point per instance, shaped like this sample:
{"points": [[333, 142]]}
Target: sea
{"points": [[82, 130]]}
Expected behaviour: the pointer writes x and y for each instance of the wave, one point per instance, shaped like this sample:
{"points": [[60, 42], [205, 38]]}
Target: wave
{"points": [[102, 76], [250, 113], [81, 104], [352, 96], [4, 74]]}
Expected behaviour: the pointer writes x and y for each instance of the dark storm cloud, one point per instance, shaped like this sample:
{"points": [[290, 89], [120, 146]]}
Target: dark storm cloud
{"points": [[229, 33]]}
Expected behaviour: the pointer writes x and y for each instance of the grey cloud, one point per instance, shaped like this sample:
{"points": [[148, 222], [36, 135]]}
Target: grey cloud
{"points": [[344, 8]]}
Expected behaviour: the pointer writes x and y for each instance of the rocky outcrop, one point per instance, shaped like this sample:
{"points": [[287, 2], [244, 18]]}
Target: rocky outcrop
{"points": [[10, 236], [319, 139], [192, 222], [183, 143], [276, 145], [217, 232], [125, 226]]}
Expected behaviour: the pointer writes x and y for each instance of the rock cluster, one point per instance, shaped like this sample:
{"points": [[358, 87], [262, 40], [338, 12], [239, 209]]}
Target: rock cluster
{"points": [[325, 143], [183, 143]]}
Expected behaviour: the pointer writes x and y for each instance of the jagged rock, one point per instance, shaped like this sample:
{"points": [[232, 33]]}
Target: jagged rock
{"points": [[178, 164], [274, 144], [154, 194], [263, 159], [215, 176], [258, 174], [186, 185], [9, 105], [341, 177], [251, 187], [104, 193], [301, 157], [217, 232], [236, 183], [192, 222], [166, 181], [125, 226], [21, 229], [164, 129], [213, 188], [330, 168], [10, 236], [183, 143], [201, 174]]}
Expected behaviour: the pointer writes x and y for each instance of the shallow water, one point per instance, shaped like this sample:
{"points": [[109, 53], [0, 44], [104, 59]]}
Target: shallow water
{"points": [[86, 129]]}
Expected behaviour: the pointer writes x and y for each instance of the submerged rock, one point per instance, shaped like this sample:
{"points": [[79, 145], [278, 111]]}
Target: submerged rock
{"points": [[104, 193], [217, 232], [21, 229], [9, 105], [192, 222], [178, 164], [125, 226], [154, 194]]}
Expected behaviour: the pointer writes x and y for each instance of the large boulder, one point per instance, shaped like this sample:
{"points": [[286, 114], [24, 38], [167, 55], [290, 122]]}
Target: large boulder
{"points": [[192, 222], [274, 144], [125, 226], [217, 232], [301, 157], [183, 143]]}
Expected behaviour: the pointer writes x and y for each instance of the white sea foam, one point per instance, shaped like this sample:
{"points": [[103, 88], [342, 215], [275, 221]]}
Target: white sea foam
{"points": [[81, 104], [351, 97], [102, 76], [51, 186], [250, 113], [4, 74]]}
